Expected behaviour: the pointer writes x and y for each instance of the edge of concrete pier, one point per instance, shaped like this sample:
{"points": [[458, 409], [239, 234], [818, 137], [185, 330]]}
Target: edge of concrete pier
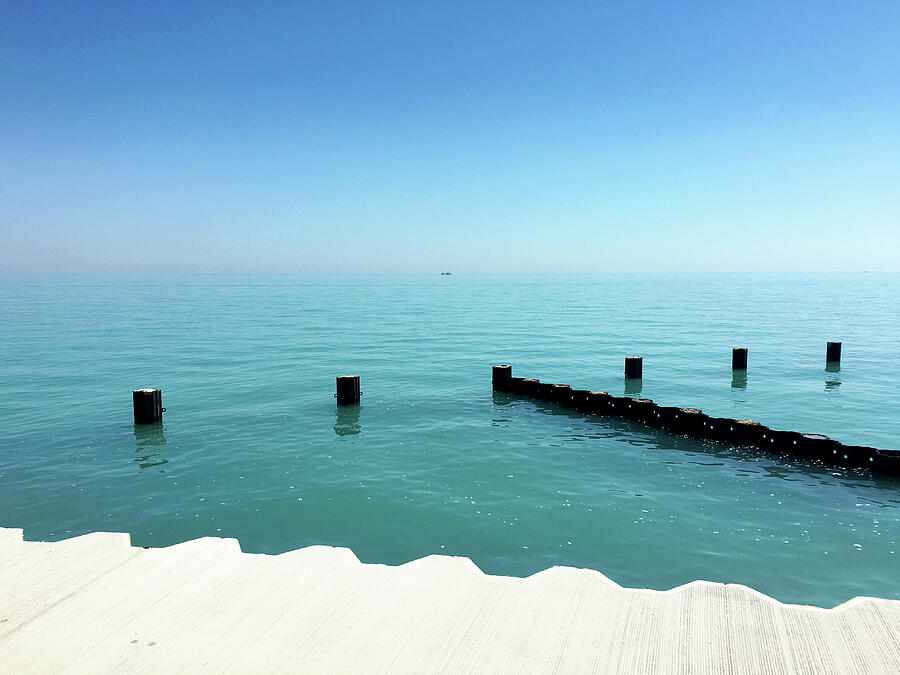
{"points": [[96, 603]]}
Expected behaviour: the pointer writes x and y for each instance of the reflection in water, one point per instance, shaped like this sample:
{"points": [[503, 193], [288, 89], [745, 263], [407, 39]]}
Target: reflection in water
{"points": [[833, 377], [633, 386], [504, 398], [751, 459], [148, 439], [739, 379], [347, 420]]}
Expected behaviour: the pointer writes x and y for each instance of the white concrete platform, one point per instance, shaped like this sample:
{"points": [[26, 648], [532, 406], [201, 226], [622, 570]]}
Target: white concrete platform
{"points": [[96, 604]]}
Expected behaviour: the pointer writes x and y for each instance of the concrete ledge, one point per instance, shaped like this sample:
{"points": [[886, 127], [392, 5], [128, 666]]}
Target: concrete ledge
{"points": [[95, 603]]}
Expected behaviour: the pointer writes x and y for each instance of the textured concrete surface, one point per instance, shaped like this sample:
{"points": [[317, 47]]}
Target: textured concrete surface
{"points": [[95, 604]]}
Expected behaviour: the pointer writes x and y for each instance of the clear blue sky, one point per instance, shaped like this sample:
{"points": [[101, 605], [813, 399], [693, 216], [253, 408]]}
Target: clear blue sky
{"points": [[425, 136]]}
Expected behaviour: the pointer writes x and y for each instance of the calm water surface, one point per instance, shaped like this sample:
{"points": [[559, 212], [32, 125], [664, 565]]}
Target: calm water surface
{"points": [[253, 446]]}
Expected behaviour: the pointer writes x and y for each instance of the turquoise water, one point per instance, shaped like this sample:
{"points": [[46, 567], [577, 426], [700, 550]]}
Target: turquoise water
{"points": [[254, 447]]}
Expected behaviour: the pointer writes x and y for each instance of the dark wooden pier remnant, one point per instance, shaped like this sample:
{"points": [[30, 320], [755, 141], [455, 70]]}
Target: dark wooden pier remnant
{"points": [[561, 393], [501, 377], [833, 352], [739, 358], [696, 423], [347, 389], [530, 386], [634, 366], [147, 406]]}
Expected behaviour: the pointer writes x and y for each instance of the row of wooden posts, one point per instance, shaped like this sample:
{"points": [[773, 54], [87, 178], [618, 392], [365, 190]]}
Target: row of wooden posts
{"points": [[694, 422], [148, 409], [634, 365], [148, 402]]}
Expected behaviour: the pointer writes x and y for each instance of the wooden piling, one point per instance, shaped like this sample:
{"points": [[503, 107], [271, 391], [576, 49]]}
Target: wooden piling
{"points": [[833, 352], [690, 421], [545, 391], [634, 366], [530, 386], [147, 406], [887, 462], [580, 398], [347, 389], [500, 377], [739, 358], [748, 431], [598, 401], [562, 394], [817, 446], [694, 422], [638, 408], [516, 385]]}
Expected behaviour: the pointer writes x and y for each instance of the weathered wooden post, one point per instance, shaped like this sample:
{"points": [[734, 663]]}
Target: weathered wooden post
{"points": [[739, 358], [147, 406], [634, 366], [500, 377], [833, 352], [530, 386], [561, 393], [347, 389]]}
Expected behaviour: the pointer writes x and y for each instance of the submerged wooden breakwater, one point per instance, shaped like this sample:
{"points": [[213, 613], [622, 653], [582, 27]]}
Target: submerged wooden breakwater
{"points": [[694, 422]]}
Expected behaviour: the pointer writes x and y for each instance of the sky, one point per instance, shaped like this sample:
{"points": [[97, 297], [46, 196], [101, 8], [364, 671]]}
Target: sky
{"points": [[294, 137]]}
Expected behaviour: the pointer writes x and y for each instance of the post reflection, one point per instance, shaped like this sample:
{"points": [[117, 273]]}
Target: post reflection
{"points": [[504, 398], [148, 441], [739, 379], [633, 386], [833, 375], [347, 423]]}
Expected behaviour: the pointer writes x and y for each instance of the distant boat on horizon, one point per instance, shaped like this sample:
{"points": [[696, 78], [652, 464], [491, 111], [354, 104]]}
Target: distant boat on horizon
{"points": [[446, 274]]}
